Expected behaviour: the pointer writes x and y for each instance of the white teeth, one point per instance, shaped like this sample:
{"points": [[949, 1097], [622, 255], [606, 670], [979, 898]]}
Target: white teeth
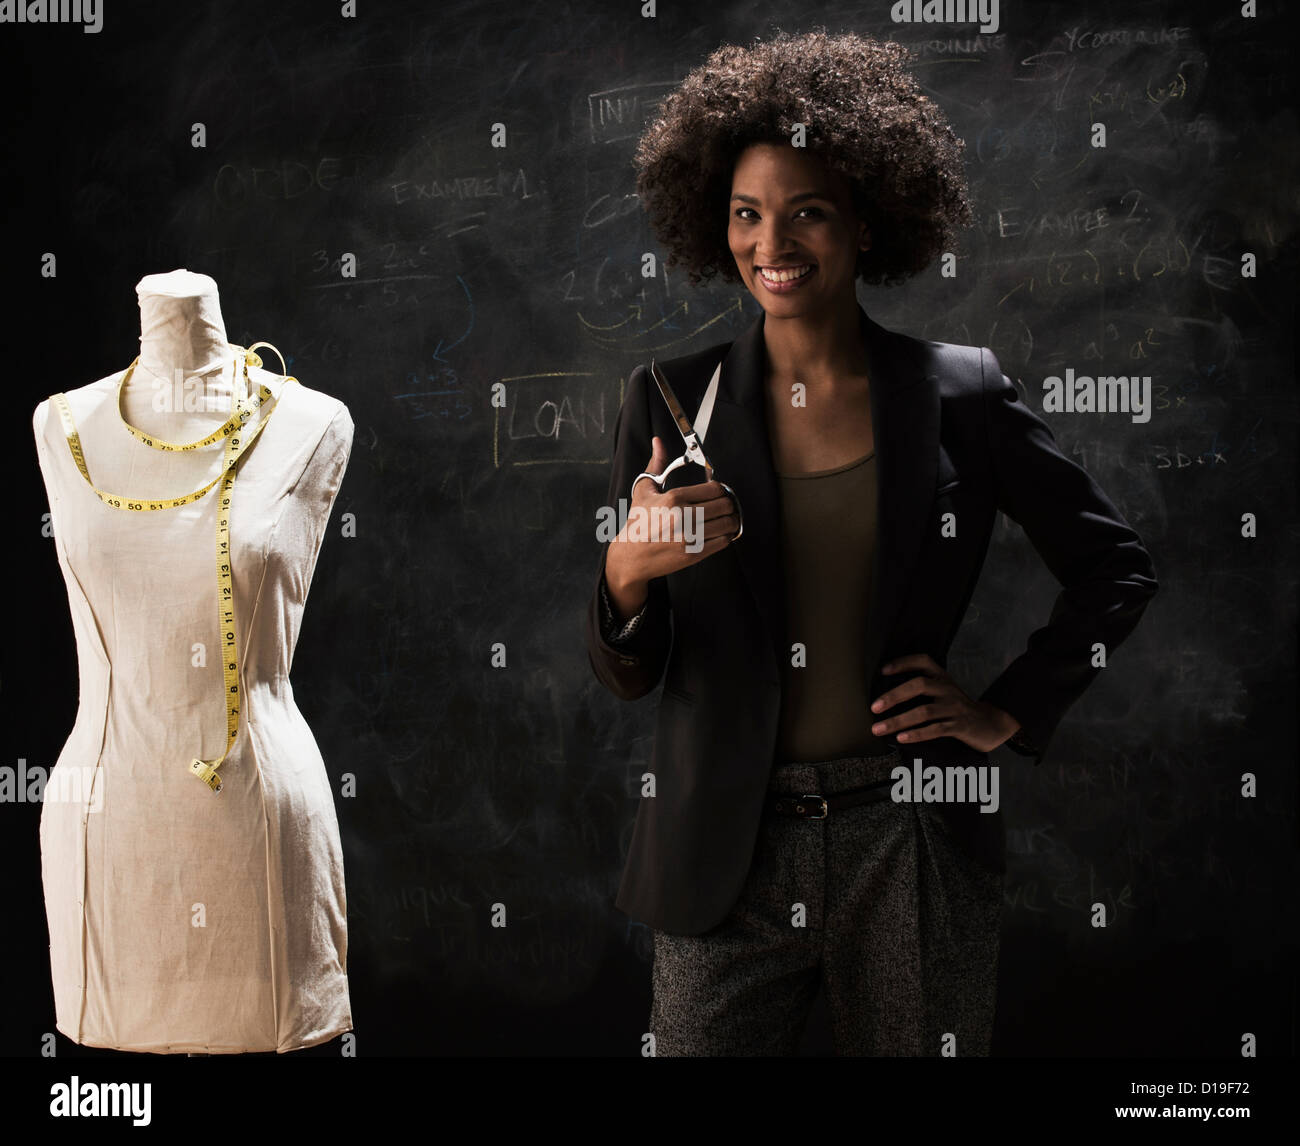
{"points": [[785, 275]]}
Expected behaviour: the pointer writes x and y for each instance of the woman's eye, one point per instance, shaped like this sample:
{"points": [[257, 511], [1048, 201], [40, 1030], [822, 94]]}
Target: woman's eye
{"points": [[749, 212]]}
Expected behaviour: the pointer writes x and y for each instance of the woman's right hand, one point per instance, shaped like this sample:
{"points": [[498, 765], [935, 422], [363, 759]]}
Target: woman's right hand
{"points": [[630, 565]]}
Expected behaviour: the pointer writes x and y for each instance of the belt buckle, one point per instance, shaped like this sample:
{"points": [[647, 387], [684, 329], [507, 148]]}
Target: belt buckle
{"points": [[817, 800]]}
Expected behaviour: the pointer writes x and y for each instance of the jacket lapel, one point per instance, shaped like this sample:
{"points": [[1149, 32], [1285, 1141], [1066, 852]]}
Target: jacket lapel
{"points": [[905, 420]]}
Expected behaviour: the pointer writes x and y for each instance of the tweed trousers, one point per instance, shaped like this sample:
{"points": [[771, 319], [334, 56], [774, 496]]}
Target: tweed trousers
{"points": [[876, 903]]}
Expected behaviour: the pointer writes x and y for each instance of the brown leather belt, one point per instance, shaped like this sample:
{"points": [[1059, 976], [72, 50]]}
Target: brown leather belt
{"points": [[819, 807]]}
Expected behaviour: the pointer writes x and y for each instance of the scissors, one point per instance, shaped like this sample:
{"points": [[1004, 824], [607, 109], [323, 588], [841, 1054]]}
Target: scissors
{"points": [[694, 450]]}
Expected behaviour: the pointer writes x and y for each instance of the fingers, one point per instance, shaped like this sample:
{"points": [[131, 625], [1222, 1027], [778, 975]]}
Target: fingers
{"points": [[710, 497], [696, 523], [913, 716], [719, 510], [949, 711], [710, 547], [665, 538], [933, 681], [699, 492]]}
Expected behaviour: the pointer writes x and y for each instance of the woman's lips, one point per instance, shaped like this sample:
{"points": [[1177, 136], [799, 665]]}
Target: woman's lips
{"points": [[792, 283]]}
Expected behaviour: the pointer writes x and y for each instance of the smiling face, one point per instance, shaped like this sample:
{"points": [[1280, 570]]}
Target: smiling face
{"points": [[793, 231]]}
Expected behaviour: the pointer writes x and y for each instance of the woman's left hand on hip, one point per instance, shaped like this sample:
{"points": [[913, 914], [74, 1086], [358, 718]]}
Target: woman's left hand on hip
{"points": [[952, 712]]}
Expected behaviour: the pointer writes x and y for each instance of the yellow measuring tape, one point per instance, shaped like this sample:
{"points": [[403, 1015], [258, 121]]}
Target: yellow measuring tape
{"points": [[237, 444]]}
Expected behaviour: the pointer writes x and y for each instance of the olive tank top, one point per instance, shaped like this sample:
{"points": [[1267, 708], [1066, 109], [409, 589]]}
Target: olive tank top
{"points": [[828, 539]]}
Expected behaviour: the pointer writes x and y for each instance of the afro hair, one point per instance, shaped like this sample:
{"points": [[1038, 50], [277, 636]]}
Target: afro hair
{"points": [[865, 117]]}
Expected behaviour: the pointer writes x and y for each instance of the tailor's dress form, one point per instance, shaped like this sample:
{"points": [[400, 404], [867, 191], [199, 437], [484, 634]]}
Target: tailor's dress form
{"points": [[259, 865]]}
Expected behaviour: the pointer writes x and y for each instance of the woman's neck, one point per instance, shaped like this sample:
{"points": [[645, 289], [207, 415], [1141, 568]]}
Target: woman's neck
{"points": [[814, 348], [180, 325]]}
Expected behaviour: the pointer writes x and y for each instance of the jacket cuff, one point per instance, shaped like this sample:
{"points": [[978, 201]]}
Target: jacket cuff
{"points": [[611, 631], [1018, 742], [1035, 732]]}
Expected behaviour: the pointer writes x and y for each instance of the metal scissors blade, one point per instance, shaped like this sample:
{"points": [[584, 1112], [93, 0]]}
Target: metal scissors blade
{"points": [[694, 451]]}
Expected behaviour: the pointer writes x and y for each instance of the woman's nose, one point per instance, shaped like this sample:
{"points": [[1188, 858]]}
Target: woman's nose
{"points": [[772, 245]]}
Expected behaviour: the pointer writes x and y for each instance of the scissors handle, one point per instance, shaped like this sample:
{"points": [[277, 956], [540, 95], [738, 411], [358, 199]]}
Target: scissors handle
{"points": [[660, 478], [656, 478], [735, 502]]}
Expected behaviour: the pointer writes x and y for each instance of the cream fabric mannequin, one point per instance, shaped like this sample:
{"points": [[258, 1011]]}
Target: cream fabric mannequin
{"points": [[183, 920]]}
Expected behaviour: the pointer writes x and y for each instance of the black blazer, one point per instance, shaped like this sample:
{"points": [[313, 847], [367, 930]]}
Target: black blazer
{"points": [[951, 436]]}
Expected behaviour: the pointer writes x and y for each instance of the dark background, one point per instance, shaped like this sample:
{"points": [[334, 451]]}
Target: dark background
{"points": [[520, 265]]}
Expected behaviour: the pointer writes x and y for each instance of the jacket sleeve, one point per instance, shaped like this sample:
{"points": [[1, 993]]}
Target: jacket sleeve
{"points": [[632, 667], [1106, 575]]}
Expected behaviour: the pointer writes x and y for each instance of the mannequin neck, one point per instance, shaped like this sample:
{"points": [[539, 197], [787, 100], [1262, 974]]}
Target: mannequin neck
{"points": [[181, 327]]}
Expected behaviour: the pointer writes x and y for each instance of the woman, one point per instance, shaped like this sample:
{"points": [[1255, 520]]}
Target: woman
{"points": [[803, 660]]}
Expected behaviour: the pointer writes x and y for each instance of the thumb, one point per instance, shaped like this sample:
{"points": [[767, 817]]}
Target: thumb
{"points": [[658, 456]]}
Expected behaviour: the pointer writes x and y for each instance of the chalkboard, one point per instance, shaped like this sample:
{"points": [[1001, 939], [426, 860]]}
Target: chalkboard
{"points": [[330, 139]]}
